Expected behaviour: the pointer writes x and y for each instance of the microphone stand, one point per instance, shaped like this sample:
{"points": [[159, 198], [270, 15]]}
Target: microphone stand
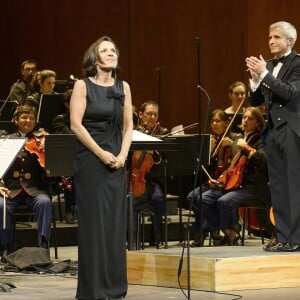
{"points": [[158, 70], [188, 225], [158, 85], [131, 243]]}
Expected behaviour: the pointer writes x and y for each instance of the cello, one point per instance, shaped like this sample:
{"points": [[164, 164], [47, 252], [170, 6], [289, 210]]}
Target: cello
{"points": [[142, 162]]}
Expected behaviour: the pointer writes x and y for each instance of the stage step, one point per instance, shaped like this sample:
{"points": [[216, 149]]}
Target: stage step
{"points": [[215, 268]]}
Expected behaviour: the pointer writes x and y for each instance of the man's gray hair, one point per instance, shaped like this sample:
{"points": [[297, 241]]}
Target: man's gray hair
{"points": [[289, 30]]}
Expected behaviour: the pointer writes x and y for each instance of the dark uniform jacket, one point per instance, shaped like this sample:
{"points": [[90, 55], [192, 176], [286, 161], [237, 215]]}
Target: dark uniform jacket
{"points": [[255, 177], [25, 173]]}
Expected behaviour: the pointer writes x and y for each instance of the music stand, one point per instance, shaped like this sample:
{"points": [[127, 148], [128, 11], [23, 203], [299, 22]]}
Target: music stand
{"points": [[62, 164], [50, 106], [184, 161], [7, 109], [61, 86], [9, 148], [8, 126], [60, 151]]}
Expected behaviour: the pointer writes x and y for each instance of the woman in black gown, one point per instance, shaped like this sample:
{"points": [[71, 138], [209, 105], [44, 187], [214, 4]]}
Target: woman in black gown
{"points": [[101, 118]]}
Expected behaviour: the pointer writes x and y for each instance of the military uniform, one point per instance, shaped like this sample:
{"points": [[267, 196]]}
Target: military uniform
{"points": [[26, 180]]}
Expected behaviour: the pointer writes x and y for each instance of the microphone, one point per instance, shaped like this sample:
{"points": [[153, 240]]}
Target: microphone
{"points": [[204, 91], [197, 43], [71, 81], [160, 68], [72, 77]]}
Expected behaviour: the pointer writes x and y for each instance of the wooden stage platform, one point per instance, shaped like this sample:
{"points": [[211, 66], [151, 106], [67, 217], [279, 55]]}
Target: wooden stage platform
{"points": [[215, 268]]}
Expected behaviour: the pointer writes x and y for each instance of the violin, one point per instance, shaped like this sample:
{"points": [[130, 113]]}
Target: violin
{"points": [[35, 145], [233, 176], [221, 158]]}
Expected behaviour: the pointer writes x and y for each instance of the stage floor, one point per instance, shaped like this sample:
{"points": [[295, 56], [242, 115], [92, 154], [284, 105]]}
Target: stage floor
{"points": [[63, 286], [215, 272]]}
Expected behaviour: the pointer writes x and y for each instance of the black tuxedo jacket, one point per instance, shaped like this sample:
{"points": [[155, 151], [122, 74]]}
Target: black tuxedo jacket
{"points": [[281, 94]]}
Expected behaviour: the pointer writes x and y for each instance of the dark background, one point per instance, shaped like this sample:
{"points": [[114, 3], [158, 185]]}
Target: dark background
{"points": [[156, 38]]}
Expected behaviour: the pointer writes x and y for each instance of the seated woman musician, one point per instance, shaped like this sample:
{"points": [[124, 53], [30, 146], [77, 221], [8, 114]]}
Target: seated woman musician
{"points": [[147, 182], [25, 181], [221, 154], [46, 82], [246, 179]]}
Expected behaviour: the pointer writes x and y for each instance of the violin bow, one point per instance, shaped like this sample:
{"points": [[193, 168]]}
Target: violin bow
{"points": [[227, 128], [179, 130], [206, 172]]}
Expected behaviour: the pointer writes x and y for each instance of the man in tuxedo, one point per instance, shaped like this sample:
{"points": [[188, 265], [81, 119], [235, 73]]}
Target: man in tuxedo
{"points": [[277, 83]]}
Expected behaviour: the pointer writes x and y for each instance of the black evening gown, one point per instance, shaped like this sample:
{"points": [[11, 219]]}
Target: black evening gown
{"points": [[101, 199]]}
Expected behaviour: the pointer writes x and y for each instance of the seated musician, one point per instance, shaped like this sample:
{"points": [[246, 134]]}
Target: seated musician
{"points": [[46, 83], [20, 90], [221, 155], [245, 180], [153, 195], [61, 124], [237, 94], [25, 181]]}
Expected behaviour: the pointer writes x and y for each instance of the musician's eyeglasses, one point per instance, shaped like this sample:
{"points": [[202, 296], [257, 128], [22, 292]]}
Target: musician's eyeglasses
{"points": [[217, 121], [150, 114], [242, 94], [25, 118], [29, 69]]}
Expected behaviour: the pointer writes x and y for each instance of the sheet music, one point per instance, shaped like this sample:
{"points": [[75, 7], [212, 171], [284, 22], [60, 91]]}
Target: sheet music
{"points": [[138, 136], [177, 130], [9, 148]]}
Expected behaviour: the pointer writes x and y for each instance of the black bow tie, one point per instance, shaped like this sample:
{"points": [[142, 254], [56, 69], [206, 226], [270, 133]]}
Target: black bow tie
{"points": [[275, 61]]}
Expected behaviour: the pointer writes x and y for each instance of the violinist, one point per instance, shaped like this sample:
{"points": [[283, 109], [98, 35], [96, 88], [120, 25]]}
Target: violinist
{"points": [[153, 195], [45, 81], [25, 181], [237, 94], [246, 180], [221, 155]]}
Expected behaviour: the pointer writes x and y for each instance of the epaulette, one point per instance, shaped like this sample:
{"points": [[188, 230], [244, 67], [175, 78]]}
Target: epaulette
{"points": [[59, 116]]}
